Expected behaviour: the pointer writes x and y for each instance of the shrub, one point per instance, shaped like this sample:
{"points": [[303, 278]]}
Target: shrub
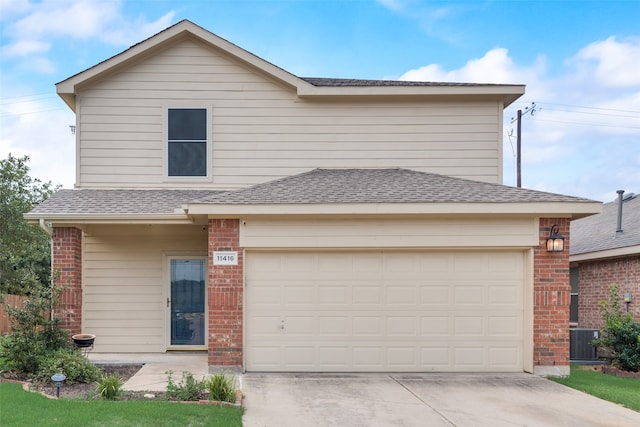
{"points": [[71, 363], [221, 388], [620, 333], [33, 333], [188, 388], [109, 386]]}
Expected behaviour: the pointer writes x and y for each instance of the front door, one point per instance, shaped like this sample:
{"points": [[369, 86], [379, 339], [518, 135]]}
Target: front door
{"points": [[187, 302]]}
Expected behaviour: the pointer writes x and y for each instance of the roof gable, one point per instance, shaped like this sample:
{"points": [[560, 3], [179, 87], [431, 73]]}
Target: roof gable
{"points": [[180, 31], [304, 87]]}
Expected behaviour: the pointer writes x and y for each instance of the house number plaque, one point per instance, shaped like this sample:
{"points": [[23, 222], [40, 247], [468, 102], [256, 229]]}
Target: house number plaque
{"points": [[225, 258]]}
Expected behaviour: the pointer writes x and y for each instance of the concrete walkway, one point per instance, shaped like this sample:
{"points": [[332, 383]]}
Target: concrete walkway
{"points": [[153, 375]]}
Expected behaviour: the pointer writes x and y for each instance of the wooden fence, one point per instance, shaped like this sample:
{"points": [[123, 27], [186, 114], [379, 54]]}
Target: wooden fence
{"points": [[14, 300]]}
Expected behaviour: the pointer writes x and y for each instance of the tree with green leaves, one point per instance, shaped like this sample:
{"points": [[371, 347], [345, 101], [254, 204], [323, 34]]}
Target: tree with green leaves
{"points": [[25, 253]]}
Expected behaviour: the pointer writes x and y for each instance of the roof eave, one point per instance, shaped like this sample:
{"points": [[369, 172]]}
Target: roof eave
{"points": [[608, 253], [508, 93], [84, 218], [553, 209]]}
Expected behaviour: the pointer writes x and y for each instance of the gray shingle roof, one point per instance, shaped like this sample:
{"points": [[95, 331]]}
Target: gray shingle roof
{"points": [[118, 201], [380, 186], [333, 82], [598, 232]]}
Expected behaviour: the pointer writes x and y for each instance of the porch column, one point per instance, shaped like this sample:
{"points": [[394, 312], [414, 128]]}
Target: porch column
{"points": [[552, 298], [67, 270], [225, 293]]}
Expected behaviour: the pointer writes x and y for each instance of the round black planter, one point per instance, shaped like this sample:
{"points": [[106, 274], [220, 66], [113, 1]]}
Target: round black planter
{"points": [[83, 340]]}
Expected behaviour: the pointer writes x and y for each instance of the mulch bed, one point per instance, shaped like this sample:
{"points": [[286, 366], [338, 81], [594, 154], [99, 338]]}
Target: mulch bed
{"points": [[88, 390], [612, 370]]}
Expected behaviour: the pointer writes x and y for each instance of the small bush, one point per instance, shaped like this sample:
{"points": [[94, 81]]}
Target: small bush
{"points": [[109, 386], [188, 388], [69, 362], [221, 388], [620, 334], [33, 333]]}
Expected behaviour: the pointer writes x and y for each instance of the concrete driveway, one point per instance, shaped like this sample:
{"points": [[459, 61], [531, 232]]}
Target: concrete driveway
{"points": [[422, 400]]}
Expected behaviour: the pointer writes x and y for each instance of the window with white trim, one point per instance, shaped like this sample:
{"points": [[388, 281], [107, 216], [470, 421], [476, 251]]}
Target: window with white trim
{"points": [[187, 142]]}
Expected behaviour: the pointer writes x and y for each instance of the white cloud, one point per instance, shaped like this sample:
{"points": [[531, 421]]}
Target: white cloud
{"points": [[37, 24], [25, 48], [614, 63], [494, 67], [394, 5], [44, 136], [583, 138], [128, 33]]}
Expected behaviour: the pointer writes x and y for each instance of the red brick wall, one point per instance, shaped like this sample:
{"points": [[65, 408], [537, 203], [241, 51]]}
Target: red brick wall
{"points": [[225, 293], [594, 278], [552, 297], [67, 264]]}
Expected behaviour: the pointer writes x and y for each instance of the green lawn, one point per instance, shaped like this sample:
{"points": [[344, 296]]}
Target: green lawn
{"points": [[624, 391], [21, 408]]}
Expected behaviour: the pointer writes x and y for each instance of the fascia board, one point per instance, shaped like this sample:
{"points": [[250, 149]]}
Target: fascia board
{"points": [[508, 93], [609, 253], [109, 218], [568, 210]]}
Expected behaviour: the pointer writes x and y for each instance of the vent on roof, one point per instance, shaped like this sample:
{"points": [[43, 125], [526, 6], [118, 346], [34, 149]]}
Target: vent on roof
{"points": [[620, 200]]}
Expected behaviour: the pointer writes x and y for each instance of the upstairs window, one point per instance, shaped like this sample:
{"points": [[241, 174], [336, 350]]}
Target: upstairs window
{"points": [[187, 136]]}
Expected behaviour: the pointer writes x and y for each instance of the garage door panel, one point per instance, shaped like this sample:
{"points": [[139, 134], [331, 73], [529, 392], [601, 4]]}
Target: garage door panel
{"points": [[401, 295], [365, 295], [505, 294], [367, 325], [384, 311], [469, 294]]}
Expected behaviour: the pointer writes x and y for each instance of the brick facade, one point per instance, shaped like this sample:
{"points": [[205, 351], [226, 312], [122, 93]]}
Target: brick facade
{"points": [[225, 293], [67, 266], [594, 278], [551, 300]]}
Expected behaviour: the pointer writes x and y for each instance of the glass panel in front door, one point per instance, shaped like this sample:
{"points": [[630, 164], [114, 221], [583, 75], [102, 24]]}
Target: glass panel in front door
{"points": [[187, 301]]}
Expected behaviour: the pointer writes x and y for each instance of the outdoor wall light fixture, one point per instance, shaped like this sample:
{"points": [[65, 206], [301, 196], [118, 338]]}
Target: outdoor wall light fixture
{"points": [[555, 241], [58, 379]]}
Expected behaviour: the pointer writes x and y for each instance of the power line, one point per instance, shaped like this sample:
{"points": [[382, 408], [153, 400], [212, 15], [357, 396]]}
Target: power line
{"points": [[592, 108], [591, 113], [587, 124]]}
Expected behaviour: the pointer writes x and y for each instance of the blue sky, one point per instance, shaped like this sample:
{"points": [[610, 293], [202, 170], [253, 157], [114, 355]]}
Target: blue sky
{"points": [[580, 61]]}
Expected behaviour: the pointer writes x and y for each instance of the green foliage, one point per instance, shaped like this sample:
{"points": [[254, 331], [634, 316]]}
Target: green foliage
{"points": [[24, 249], [188, 388], [221, 388], [109, 386], [620, 334], [22, 408], [71, 363], [34, 333], [623, 391]]}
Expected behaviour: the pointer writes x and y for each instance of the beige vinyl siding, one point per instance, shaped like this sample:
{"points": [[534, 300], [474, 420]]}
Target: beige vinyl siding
{"points": [[388, 233], [124, 283], [261, 131]]}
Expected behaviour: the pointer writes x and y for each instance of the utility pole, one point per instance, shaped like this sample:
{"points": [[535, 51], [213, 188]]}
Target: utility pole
{"points": [[528, 110]]}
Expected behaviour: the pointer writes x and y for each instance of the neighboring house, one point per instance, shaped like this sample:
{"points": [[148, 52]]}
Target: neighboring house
{"points": [[605, 249], [302, 224]]}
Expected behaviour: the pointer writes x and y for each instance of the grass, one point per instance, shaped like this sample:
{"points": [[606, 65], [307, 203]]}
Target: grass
{"points": [[21, 408], [624, 391]]}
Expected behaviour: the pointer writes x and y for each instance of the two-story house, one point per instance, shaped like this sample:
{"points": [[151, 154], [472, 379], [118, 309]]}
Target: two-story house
{"points": [[302, 224]]}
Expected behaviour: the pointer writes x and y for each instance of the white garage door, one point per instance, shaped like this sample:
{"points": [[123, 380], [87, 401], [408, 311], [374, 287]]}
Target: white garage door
{"points": [[384, 311]]}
